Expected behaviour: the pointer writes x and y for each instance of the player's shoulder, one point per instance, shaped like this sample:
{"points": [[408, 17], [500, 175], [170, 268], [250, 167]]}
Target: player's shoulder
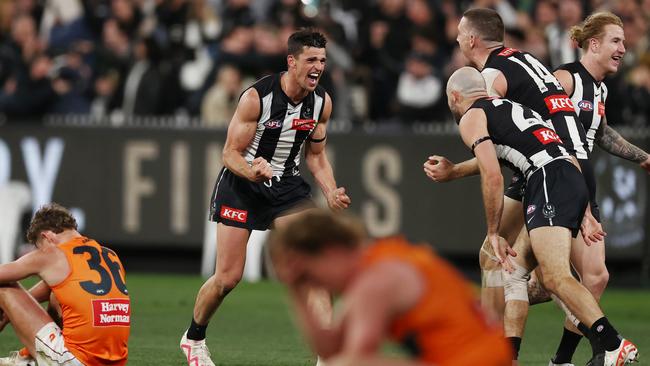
{"points": [[263, 86], [571, 67]]}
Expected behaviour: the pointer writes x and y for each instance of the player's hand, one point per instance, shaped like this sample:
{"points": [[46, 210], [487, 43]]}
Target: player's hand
{"points": [[338, 199], [438, 168], [645, 164], [591, 230], [4, 320], [261, 170], [502, 251]]}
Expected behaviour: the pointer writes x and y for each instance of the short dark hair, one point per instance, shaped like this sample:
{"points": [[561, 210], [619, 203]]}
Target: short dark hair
{"points": [[52, 217], [487, 23], [306, 37], [315, 230]]}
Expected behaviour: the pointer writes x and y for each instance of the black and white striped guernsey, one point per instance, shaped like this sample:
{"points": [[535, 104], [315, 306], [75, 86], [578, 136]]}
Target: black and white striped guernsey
{"points": [[283, 126], [531, 84], [588, 97], [522, 138]]}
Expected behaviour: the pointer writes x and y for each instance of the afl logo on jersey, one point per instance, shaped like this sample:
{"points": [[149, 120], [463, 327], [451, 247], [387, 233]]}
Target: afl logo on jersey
{"points": [[273, 123], [507, 52], [586, 105]]}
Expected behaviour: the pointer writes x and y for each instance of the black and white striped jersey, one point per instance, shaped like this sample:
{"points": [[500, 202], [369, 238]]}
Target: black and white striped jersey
{"points": [[588, 97], [283, 126], [531, 84], [524, 141]]}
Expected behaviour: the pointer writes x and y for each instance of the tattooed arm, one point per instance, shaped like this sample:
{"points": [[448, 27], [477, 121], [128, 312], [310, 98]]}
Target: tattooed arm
{"points": [[611, 141]]}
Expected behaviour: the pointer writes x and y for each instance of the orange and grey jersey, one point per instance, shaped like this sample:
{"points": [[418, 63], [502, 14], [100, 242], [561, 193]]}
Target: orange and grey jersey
{"points": [[95, 304], [588, 97], [283, 126]]}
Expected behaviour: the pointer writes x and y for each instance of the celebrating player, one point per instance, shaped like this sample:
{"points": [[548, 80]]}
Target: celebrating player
{"points": [[260, 186], [390, 289], [601, 37], [556, 195], [520, 77], [83, 280]]}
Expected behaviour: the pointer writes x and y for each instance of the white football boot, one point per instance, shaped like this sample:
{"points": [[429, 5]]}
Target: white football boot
{"points": [[625, 353], [196, 352], [551, 363], [16, 359]]}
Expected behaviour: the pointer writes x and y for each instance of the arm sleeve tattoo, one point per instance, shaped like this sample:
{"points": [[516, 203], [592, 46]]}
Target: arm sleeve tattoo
{"points": [[611, 141]]}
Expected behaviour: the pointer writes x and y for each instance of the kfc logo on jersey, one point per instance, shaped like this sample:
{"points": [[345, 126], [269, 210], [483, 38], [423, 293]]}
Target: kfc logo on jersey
{"points": [[111, 312], [273, 123], [601, 108], [234, 214], [586, 105], [303, 124], [546, 136], [559, 103], [508, 52]]}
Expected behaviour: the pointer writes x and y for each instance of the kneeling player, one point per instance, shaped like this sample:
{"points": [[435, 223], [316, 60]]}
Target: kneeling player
{"points": [[390, 289], [84, 281]]}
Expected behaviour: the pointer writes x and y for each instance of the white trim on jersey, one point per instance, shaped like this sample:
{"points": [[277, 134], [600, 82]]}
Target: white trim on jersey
{"points": [[318, 105], [515, 157], [550, 219], [264, 116], [286, 139], [572, 126]]}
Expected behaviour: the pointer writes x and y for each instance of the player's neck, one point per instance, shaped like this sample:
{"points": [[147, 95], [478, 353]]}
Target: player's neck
{"points": [[67, 235], [483, 54], [593, 68], [291, 88]]}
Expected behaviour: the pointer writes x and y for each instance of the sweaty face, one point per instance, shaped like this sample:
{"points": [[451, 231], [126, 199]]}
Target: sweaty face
{"points": [[612, 48], [309, 66]]}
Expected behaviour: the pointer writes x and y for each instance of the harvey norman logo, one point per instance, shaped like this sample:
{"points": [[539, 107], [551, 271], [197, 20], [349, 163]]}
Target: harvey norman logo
{"points": [[111, 312]]}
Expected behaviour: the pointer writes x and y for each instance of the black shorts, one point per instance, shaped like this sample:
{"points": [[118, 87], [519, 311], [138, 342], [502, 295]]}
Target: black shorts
{"points": [[241, 203], [556, 195], [590, 179], [516, 188]]}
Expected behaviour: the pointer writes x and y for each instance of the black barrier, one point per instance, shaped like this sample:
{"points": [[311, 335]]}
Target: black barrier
{"points": [[150, 186]]}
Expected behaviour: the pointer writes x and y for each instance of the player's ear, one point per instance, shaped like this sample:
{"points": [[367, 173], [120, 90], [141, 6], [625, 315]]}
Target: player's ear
{"points": [[594, 44], [291, 61]]}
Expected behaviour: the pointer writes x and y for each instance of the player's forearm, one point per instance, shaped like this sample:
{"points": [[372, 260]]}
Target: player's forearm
{"points": [[40, 291], [235, 162], [492, 188], [321, 169], [612, 142], [325, 342], [465, 169]]}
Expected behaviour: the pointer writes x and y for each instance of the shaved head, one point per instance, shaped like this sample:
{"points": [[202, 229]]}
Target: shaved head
{"points": [[465, 85], [467, 81]]}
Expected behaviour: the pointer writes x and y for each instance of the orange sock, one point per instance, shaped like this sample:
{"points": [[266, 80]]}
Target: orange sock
{"points": [[24, 352]]}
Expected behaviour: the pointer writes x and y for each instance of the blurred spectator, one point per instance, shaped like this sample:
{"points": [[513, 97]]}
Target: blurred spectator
{"points": [[418, 90], [562, 49], [142, 86], [107, 57], [221, 99]]}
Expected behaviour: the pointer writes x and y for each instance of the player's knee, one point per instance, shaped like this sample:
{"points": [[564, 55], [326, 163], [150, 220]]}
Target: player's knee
{"points": [[552, 282], [596, 282], [6, 289], [515, 284], [227, 281]]}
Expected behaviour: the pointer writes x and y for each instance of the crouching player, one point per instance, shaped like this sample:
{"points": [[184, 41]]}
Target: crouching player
{"points": [[82, 280], [390, 289]]}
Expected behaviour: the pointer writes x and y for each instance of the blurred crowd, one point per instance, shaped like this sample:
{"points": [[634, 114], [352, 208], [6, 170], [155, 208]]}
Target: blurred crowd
{"points": [[388, 60]]}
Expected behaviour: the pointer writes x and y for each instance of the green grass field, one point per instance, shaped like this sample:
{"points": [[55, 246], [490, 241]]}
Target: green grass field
{"points": [[253, 327]]}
